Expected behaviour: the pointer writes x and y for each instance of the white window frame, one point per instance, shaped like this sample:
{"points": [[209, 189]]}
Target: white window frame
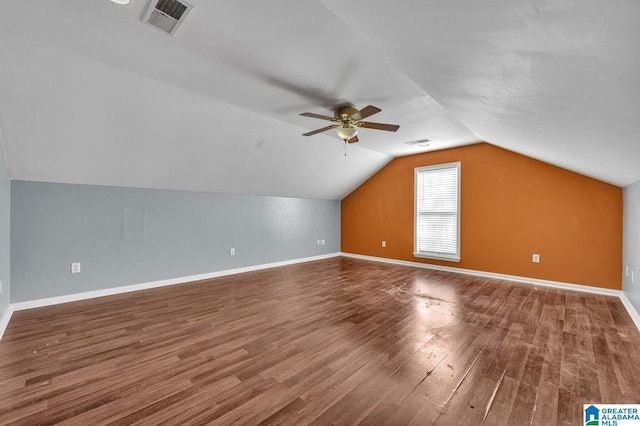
{"points": [[431, 254]]}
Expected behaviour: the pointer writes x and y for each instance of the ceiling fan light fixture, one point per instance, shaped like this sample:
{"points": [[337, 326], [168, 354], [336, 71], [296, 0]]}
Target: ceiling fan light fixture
{"points": [[346, 132], [346, 121]]}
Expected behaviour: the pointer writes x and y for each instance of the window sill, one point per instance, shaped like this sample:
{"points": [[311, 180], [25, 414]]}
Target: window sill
{"points": [[435, 256]]}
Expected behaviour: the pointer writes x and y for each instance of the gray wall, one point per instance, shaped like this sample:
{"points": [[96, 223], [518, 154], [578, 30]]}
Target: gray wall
{"points": [[126, 236], [5, 203], [631, 243]]}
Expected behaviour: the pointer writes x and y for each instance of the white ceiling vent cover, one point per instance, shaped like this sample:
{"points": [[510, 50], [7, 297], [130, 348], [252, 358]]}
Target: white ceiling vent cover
{"points": [[421, 142], [166, 15]]}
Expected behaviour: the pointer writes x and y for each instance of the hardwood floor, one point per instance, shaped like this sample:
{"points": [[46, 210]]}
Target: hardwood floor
{"points": [[337, 341]]}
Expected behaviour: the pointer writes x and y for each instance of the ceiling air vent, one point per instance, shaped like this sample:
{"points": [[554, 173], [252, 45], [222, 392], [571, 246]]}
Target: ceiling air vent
{"points": [[166, 15], [420, 142]]}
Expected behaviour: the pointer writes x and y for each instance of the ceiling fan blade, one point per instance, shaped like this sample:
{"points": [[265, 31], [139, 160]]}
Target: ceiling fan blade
{"points": [[353, 139], [324, 129], [312, 115], [365, 112], [378, 126]]}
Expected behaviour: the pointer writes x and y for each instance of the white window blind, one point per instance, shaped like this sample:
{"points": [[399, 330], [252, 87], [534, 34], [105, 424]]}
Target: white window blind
{"points": [[437, 211]]}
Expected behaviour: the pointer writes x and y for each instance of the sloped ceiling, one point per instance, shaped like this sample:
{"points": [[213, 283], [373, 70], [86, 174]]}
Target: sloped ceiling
{"points": [[89, 94]]}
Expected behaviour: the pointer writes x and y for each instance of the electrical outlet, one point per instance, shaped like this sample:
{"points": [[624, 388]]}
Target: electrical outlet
{"points": [[232, 251], [75, 268], [535, 258], [384, 244], [321, 242]]}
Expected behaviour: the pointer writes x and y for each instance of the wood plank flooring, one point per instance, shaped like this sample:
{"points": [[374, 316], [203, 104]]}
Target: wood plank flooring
{"points": [[337, 341]]}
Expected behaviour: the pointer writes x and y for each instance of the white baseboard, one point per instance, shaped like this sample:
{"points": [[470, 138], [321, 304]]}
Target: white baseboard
{"points": [[557, 284], [635, 316], [4, 321], [536, 281], [30, 304]]}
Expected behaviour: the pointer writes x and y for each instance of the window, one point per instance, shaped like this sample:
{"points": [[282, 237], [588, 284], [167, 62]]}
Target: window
{"points": [[437, 213]]}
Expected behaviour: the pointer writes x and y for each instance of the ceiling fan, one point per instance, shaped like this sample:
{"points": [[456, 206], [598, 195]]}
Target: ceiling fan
{"points": [[347, 119]]}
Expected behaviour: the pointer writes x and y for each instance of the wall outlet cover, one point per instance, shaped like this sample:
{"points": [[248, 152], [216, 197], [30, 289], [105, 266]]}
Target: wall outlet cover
{"points": [[535, 258], [75, 268]]}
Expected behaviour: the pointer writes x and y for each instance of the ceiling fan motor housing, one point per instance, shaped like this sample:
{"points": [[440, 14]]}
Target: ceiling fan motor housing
{"points": [[344, 113]]}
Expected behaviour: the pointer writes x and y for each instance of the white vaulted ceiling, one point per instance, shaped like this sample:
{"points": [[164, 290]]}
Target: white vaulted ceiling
{"points": [[90, 94]]}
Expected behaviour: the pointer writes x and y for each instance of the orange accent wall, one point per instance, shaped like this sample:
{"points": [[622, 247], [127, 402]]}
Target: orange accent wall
{"points": [[511, 207]]}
